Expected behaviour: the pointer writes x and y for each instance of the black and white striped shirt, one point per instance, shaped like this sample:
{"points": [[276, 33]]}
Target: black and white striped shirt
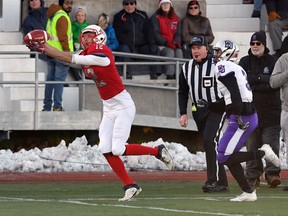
{"points": [[197, 80]]}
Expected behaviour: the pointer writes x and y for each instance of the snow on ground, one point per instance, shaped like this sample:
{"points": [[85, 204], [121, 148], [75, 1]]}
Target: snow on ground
{"points": [[78, 156]]}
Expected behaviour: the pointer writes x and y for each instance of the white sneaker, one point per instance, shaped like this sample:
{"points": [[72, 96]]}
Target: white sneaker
{"points": [[245, 197], [130, 192], [270, 155], [165, 157]]}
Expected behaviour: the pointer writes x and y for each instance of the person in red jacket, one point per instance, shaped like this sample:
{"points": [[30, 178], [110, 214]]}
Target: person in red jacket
{"points": [[97, 62], [167, 32]]}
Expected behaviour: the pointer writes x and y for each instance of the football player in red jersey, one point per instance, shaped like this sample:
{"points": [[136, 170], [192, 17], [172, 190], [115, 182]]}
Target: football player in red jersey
{"points": [[97, 62]]}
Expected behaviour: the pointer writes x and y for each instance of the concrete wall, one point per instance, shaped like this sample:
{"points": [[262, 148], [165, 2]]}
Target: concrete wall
{"points": [[148, 101]]}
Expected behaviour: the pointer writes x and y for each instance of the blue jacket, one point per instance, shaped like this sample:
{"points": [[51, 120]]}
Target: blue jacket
{"points": [[112, 41], [37, 19]]}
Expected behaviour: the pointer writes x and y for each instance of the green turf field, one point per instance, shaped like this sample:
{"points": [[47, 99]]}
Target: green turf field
{"points": [[156, 199]]}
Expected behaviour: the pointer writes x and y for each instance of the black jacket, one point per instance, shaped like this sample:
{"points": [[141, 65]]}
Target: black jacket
{"points": [[266, 100], [279, 6], [133, 29], [37, 19]]}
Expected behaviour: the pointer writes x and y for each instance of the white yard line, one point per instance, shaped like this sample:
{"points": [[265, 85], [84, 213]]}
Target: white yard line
{"points": [[127, 204]]}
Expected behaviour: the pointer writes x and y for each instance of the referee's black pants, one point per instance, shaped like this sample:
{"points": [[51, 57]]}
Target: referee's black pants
{"points": [[209, 124]]}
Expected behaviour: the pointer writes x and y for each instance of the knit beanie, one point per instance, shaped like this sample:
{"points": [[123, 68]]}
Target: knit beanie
{"points": [[193, 2], [259, 36], [164, 1], [128, 1], [61, 2], [80, 9]]}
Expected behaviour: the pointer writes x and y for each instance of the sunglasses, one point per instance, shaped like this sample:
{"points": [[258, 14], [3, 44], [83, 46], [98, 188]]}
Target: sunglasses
{"points": [[190, 8], [257, 43], [128, 3]]}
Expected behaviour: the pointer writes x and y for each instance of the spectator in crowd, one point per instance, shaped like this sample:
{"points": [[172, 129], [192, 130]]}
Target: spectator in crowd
{"points": [[134, 35], [278, 19], [166, 28], [36, 19], [259, 65], [257, 8], [194, 24], [104, 23], [78, 25], [284, 46], [279, 79], [242, 116], [197, 81], [60, 30]]}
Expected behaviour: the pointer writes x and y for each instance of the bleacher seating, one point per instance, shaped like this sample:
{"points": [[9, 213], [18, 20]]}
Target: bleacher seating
{"points": [[229, 19]]}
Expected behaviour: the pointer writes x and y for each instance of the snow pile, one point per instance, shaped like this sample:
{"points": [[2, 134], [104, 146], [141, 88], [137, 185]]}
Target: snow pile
{"points": [[78, 156]]}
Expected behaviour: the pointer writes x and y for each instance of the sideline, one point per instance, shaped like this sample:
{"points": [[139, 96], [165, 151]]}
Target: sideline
{"points": [[13, 178]]}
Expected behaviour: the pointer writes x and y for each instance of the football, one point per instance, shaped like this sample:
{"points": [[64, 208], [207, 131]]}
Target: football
{"points": [[36, 36]]}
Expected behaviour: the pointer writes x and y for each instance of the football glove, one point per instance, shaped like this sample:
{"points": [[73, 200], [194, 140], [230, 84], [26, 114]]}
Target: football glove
{"points": [[273, 16], [242, 125], [36, 46]]}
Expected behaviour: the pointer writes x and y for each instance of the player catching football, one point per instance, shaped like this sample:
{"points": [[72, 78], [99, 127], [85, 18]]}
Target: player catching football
{"points": [[98, 64], [242, 116]]}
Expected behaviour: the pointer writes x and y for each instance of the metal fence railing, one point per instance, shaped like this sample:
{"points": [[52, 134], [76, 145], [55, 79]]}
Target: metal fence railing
{"points": [[157, 60]]}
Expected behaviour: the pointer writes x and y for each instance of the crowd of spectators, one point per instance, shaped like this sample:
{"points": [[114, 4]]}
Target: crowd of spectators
{"points": [[165, 33]]}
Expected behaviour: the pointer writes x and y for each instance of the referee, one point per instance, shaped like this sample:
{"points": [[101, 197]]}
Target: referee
{"points": [[197, 80]]}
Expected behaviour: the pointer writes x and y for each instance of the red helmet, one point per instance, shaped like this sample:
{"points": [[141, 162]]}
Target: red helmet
{"points": [[92, 34]]}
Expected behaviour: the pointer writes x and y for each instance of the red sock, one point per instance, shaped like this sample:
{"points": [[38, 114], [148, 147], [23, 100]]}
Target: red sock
{"points": [[118, 167], [136, 149]]}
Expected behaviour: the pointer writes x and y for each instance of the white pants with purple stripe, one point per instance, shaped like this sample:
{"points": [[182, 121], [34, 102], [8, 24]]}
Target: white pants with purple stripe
{"points": [[234, 138]]}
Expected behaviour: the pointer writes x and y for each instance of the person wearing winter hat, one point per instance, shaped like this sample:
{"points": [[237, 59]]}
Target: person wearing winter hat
{"points": [[167, 32], [194, 3], [78, 25], [164, 1], [194, 24], [259, 66], [259, 36]]}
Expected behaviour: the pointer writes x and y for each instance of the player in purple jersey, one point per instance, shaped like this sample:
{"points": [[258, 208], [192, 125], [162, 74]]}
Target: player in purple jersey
{"points": [[241, 115]]}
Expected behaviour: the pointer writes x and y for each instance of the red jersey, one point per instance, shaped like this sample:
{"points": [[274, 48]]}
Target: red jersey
{"points": [[106, 78]]}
